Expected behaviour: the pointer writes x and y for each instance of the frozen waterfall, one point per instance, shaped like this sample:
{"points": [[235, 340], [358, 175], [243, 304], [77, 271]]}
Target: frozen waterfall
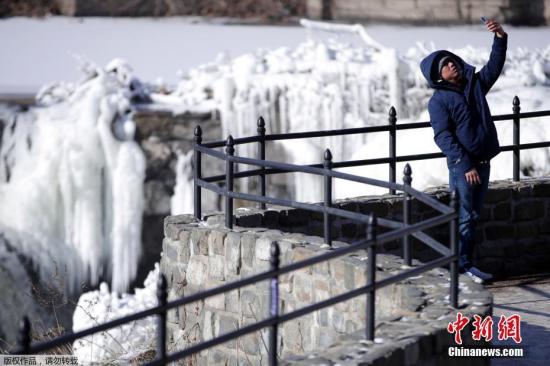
{"points": [[70, 190]]}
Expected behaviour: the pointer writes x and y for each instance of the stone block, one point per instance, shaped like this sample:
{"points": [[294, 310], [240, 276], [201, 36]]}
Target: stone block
{"points": [[249, 220], [184, 248], [497, 195], [294, 217], [528, 210], [499, 232], [215, 302], [232, 301], [216, 242], [527, 230], [199, 241], [302, 288], [541, 190], [233, 254], [248, 249], [349, 230], [502, 211], [295, 338], [250, 304], [169, 250], [263, 248], [197, 270], [224, 324], [216, 266], [271, 218], [250, 343]]}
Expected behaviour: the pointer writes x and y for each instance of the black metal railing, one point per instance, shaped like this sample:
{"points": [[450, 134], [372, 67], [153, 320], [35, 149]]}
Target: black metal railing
{"points": [[396, 230]]}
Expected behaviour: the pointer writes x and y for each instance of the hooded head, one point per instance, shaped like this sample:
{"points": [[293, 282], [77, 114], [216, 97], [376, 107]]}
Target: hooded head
{"points": [[431, 68]]}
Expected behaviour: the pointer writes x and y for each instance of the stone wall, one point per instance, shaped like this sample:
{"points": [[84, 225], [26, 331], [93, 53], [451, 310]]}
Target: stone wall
{"points": [[533, 12], [512, 236], [411, 316]]}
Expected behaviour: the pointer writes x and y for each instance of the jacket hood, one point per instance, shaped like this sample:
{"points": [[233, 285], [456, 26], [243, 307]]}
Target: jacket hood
{"points": [[429, 68]]}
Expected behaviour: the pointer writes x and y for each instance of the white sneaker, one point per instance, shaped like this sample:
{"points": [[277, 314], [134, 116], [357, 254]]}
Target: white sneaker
{"points": [[478, 276]]}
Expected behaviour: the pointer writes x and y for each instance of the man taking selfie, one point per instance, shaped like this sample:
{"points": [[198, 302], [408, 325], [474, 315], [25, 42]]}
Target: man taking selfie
{"points": [[465, 132]]}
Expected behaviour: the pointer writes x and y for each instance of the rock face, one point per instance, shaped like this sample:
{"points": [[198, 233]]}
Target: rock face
{"points": [[162, 136], [432, 12], [268, 9], [23, 295]]}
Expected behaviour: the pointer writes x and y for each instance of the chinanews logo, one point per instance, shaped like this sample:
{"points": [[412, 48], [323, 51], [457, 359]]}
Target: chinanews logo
{"points": [[508, 328]]}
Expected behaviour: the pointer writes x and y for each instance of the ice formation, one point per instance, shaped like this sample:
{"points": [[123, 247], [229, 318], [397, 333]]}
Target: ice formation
{"points": [[182, 200], [70, 189], [341, 78], [122, 344]]}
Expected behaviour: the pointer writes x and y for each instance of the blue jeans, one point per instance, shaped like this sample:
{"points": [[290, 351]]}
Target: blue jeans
{"points": [[470, 202]]}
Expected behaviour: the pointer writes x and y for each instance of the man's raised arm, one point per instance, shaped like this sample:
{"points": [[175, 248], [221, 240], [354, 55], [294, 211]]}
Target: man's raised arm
{"points": [[490, 72]]}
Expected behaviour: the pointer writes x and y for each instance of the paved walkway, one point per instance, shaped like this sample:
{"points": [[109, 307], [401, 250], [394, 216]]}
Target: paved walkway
{"points": [[528, 296]]}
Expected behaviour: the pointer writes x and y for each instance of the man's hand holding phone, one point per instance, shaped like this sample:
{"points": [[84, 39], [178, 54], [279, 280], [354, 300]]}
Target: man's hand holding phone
{"points": [[493, 26]]}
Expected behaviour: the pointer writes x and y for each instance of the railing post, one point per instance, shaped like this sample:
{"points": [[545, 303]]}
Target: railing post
{"points": [[274, 302], [392, 145], [229, 150], [197, 172], [516, 110], [327, 164], [261, 156], [162, 296], [24, 336], [453, 230], [371, 276], [407, 180]]}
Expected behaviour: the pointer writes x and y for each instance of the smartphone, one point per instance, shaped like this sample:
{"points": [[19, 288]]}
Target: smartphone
{"points": [[484, 19]]}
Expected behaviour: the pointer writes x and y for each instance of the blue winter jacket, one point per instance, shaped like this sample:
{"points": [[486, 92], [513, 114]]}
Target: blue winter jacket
{"points": [[460, 116]]}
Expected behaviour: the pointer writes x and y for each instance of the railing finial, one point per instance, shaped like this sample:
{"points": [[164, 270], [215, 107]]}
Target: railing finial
{"points": [[327, 163], [198, 134], [261, 125], [516, 103], [24, 336], [229, 145], [407, 174], [393, 115]]}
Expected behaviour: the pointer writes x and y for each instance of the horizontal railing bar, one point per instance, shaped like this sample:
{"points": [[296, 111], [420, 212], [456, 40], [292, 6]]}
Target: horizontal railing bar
{"points": [[426, 239], [308, 169], [504, 117], [208, 151], [350, 177], [427, 200], [255, 172], [213, 187], [411, 126], [420, 226], [306, 206], [239, 141], [532, 145], [351, 131], [415, 271], [325, 133], [432, 243]]}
